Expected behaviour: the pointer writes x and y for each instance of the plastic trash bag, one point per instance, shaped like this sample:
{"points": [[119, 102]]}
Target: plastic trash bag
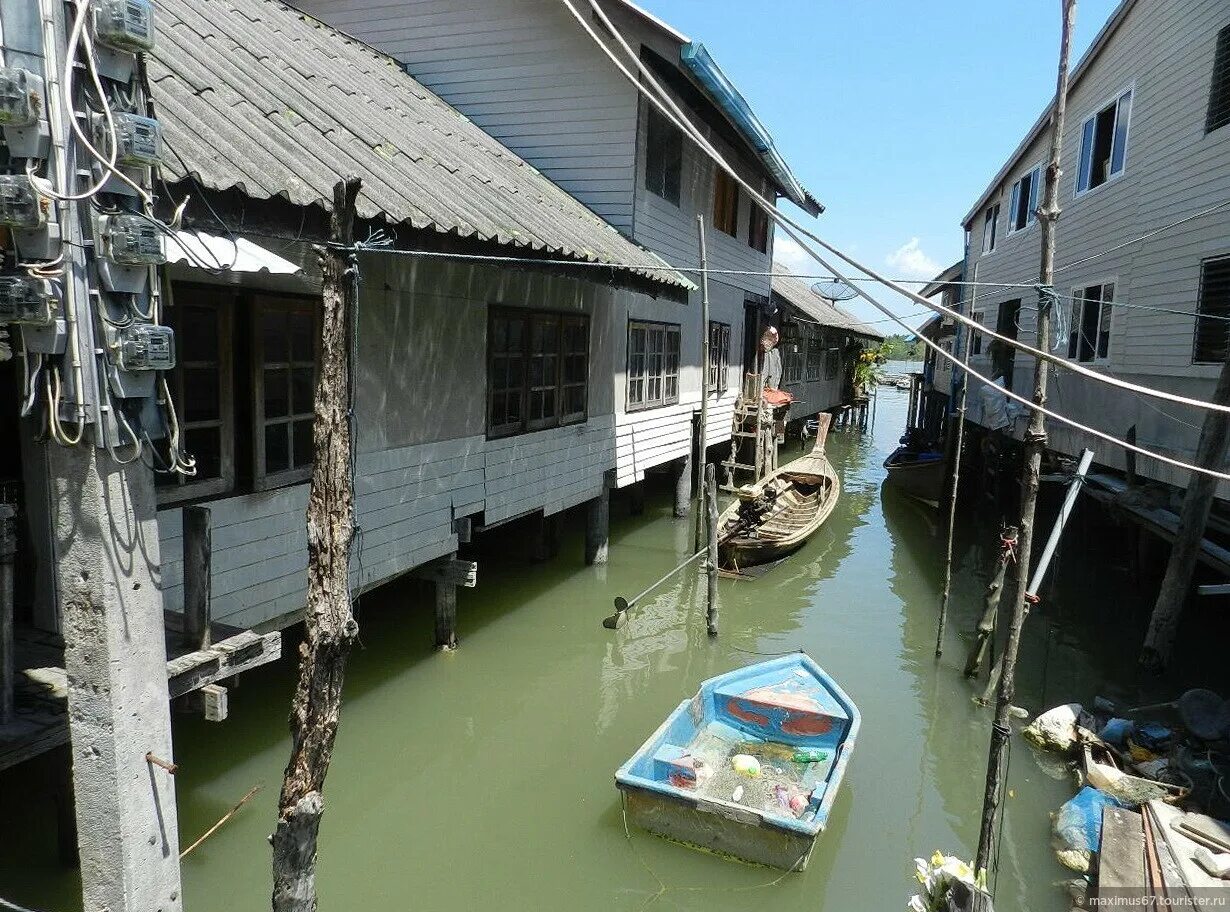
{"points": [[1078, 827]]}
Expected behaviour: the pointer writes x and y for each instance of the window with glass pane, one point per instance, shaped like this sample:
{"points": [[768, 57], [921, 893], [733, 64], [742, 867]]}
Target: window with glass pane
{"points": [[1213, 306], [758, 229], [1219, 90], [506, 372], [815, 358], [537, 370], [1104, 139], [832, 358], [793, 353], [653, 364], [285, 388], [1021, 211], [1089, 329], [975, 337], [725, 203], [719, 357], [990, 227], [200, 385], [663, 157]]}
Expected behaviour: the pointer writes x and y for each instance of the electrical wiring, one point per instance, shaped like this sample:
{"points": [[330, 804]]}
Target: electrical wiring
{"points": [[793, 230], [29, 381], [181, 463], [54, 427], [672, 111]]}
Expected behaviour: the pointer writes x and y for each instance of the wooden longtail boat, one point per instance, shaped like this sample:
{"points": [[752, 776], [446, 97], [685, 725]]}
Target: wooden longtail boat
{"points": [[750, 766], [775, 516]]}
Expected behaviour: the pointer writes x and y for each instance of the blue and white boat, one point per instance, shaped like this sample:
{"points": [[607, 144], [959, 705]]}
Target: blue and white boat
{"points": [[750, 766]]}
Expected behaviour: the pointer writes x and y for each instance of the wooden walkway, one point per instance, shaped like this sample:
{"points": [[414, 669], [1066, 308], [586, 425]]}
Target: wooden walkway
{"points": [[40, 719]]}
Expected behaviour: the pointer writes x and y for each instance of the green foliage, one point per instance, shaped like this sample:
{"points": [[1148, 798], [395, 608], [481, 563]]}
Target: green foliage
{"points": [[902, 348]]}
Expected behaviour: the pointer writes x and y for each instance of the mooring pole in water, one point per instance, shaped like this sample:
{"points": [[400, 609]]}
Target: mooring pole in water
{"points": [[1035, 443], [1048, 553], [702, 432], [956, 478], [990, 613], [623, 605], [711, 565]]}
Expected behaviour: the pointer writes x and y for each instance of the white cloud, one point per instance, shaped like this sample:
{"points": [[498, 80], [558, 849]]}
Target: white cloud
{"points": [[788, 254], [910, 262]]}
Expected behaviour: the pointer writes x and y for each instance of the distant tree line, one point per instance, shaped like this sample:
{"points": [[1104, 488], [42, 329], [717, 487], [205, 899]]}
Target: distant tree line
{"points": [[902, 348]]}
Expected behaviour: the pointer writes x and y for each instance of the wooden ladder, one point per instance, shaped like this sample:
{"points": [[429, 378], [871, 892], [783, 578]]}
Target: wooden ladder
{"points": [[753, 444]]}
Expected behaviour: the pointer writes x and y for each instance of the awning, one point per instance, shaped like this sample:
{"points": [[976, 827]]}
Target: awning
{"points": [[209, 251]]}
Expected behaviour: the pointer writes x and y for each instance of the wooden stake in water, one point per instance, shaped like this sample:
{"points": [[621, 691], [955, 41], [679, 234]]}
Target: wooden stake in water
{"points": [[1035, 442], [711, 566], [703, 431]]}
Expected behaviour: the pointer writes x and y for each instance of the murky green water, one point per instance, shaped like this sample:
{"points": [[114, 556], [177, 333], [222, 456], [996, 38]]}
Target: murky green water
{"points": [[482, 779]]}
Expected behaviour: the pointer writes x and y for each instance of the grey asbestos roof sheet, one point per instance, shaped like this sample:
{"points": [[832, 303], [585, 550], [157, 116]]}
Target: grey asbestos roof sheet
{"points": [[258, 97], [798, 293]]}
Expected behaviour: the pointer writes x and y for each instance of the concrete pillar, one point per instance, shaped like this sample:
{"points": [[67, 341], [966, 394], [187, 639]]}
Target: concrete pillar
{"points": [[598, 528], [106, 565], [446, 615], [683, 486]]}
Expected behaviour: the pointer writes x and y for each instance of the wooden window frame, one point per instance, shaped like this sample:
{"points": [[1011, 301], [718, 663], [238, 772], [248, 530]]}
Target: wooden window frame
{"points": [[832, 362], [979, 317], [1220, 327], [1218, 115], [526, 424], [725, 203], [188, 488], [664, 376], [794, 353], [813, 367], [1081, 300], [719, 358], [663, 157], [1018, 220], [1120, 142], [758, 229], [263, 480]]}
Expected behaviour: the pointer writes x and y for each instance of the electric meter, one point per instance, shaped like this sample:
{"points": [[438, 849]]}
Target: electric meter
{"points": [[20, 204], [138, 139], [125, 25], [21, 97], [26, 300], [144, 346], [131, 240]]}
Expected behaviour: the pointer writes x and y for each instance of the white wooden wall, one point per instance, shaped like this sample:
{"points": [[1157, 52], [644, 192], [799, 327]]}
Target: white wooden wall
{"points": [[1164, 51]]}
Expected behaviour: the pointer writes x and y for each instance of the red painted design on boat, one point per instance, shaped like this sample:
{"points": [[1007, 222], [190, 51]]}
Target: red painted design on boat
{"points": [[746, 715], [807, 725]]}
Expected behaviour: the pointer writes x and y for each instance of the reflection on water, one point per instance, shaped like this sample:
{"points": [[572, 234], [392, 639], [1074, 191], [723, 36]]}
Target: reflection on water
{"points": [[482, 779]]}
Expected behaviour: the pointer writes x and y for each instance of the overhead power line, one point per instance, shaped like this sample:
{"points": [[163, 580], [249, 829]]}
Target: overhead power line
{"points": [[793, 229]]}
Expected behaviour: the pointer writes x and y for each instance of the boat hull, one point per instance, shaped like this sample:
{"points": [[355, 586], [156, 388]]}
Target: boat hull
{"points": [[691, 783], [920, 475], [717, 829]]}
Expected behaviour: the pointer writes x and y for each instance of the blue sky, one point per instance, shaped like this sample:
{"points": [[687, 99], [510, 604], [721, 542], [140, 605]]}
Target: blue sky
{"points": [[895, 113]]}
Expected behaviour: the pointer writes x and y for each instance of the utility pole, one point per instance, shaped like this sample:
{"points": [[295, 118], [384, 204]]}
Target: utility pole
{"points": [[330, 623], [1197, 503], [1035, 443], [702, 434]]}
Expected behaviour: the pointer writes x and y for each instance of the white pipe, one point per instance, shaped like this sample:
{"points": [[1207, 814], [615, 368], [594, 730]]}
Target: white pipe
{"points": [[1065, 511]]}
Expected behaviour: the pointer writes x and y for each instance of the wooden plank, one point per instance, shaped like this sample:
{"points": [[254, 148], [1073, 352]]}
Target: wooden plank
{"points": [[450, 571], [1121, 859]]}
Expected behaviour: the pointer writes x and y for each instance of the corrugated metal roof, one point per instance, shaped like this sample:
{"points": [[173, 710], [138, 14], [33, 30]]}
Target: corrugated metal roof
{"points": [[798, 293], [260, 98]]}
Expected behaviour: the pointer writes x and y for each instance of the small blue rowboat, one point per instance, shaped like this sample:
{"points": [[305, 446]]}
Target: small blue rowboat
{"points": [[750, 766]]}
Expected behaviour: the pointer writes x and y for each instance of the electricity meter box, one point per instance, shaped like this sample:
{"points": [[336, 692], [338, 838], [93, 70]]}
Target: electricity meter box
{"points": [[128, 245], [28, 301], [23, 113], [124, 25], [22, 206], [145, 347], [138, 139]]}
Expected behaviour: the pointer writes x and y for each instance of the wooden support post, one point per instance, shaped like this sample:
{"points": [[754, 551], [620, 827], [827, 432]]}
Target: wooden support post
{"points": [[711, 565], [598, 526], [546, 538], [636, 499], [683, 486], [446, 615], [330, 625], [1197, 504], [1035, 443], [1130, 458], [990, 613], [198, 546], [702, 423], [8, 658]]}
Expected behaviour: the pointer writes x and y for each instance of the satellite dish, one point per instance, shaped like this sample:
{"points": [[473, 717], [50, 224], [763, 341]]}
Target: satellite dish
{"points": [[835, 291]]}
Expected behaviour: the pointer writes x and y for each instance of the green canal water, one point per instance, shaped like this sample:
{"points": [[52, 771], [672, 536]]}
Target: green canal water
{"points": [[482, 779]]}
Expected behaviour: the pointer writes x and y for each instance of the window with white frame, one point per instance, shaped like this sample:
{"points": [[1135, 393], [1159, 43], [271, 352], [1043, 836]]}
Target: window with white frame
{"points": [[1089, 332], [1024, 201], [990, 228], [1104, 141], [975, 337], [653, 364], [719, 357]]}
